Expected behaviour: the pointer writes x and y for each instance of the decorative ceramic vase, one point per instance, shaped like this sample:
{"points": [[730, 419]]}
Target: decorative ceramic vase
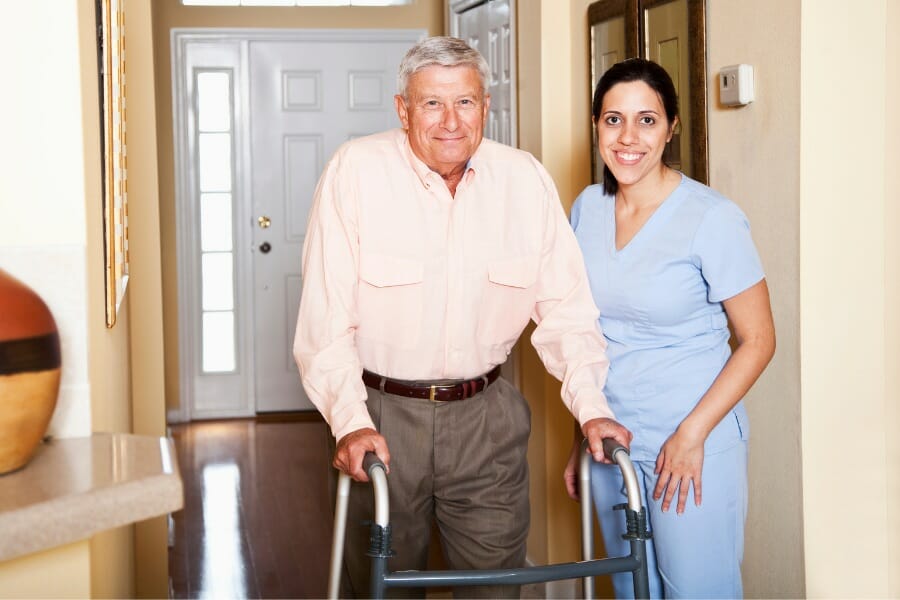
{"points": [[29, 371]]}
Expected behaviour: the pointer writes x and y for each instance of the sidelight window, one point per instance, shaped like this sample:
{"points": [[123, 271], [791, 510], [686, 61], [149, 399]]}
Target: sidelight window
{"points": [[215, 154]]}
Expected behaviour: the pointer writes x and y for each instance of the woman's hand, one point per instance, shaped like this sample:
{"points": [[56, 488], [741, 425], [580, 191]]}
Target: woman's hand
{"points": [[680, 465], [570, 474]]}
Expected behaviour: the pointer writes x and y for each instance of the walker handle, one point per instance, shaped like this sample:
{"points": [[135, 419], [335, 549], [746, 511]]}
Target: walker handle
{"points": [[371, 461], [611, 447]]}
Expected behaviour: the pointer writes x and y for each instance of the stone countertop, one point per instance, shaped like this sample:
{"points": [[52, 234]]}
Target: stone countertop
{"points": [[77, 487]]}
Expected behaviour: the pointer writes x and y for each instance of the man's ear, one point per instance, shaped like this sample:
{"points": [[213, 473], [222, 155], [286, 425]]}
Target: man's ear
{"points": [[402, 111]]}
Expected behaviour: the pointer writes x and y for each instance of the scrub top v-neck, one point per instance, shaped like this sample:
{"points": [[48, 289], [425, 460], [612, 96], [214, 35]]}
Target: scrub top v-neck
{"points": [[660, 299]]}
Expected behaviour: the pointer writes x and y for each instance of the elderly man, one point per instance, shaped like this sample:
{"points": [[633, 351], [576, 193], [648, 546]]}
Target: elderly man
{"points": [[428, 250]]}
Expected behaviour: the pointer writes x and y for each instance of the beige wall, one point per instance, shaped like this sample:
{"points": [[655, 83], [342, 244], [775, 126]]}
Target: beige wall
{"points": [[63, 572], [565, 151], [48, 188], [843, 250], [754, 158], [892, 292], [168, 14], [529, 369], [51, 236]]}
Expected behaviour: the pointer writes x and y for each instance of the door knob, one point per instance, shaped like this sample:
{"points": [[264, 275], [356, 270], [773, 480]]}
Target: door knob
{"points": [[264, 222], [265, 247]]}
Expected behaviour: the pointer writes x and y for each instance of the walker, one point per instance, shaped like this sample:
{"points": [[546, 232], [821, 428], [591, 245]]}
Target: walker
{"points": [[380, 540]]}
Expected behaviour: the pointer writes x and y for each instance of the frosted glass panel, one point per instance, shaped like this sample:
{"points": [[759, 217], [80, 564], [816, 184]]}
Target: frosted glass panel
{"points": [[218, 342], [214, 101], [217, 281], [215, 162], [215, 222]]}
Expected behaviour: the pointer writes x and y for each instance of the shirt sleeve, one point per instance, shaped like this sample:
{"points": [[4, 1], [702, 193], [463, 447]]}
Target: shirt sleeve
{"points": [[325, 339], [725, 251], [567, 337]]}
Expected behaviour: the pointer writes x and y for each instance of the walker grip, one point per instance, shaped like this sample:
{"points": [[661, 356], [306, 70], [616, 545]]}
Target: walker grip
{"points": [[371, 461], [611, 447]]}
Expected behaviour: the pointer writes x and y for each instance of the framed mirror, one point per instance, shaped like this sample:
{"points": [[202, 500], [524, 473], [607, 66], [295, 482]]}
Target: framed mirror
{"points": [[673, 34]]}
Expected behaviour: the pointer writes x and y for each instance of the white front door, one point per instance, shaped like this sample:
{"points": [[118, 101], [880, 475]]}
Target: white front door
{"points": [[257, 115], [307, 97]]}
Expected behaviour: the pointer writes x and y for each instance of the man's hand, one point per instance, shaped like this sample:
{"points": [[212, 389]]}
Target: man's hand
{"points": [[351, 449], [573, 470], [596, 430]]}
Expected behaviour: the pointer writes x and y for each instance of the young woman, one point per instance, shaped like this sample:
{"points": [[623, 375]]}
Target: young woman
{"points": [[671, 263]]}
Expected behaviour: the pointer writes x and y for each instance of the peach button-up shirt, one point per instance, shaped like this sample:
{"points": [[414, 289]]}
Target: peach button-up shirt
{"points": [[407, 281]]}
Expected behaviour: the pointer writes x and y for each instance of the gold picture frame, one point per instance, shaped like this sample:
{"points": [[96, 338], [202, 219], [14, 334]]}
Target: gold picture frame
{"points": [[111, 62]]}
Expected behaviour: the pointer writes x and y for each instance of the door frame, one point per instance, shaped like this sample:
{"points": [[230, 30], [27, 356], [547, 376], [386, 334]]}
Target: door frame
{"points": [[187, 220]]}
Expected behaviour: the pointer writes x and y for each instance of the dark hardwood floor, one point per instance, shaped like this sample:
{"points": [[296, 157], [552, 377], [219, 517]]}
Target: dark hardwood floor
{"points": [[257, 515]]}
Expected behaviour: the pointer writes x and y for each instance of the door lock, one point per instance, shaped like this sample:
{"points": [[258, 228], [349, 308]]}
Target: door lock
{"points": [[265, 247], [264, 222]]}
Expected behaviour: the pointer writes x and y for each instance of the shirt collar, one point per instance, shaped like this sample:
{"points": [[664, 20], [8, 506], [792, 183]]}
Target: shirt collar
{"points": [[423, 171]]}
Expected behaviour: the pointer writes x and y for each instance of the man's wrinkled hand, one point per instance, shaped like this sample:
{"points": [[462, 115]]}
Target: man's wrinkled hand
{"points": [[352, 448], [572, 471], [596, 430]]}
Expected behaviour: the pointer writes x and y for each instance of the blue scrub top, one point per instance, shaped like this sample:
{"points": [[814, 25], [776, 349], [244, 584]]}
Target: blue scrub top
{"points": [[660, 300]]}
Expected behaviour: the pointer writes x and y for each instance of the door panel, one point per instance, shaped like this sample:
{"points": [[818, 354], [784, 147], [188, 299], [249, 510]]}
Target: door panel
{"points": [[487, 27]]}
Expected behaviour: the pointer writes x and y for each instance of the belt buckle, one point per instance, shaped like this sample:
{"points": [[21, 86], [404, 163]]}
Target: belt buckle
{"points": [[432, 390]]}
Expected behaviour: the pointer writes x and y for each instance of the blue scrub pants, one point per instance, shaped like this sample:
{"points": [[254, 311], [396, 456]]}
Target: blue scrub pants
{"points": [[696, 554]]}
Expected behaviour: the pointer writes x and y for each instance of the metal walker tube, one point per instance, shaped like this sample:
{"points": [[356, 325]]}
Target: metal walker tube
{"points": [[619, 455], [375, 469]]}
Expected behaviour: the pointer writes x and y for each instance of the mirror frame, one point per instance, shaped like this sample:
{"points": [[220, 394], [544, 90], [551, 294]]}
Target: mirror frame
{"points": [[634, 12]]}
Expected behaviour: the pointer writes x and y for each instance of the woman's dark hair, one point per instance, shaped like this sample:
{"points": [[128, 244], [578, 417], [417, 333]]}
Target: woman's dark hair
{"points": [[634, 69]]}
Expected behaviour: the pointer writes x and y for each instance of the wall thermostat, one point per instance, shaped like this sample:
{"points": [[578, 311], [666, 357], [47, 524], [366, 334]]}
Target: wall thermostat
{"points": [[736, 85]]}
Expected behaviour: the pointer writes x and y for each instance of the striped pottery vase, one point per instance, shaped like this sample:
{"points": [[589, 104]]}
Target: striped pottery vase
{"points": [[29, 371]]}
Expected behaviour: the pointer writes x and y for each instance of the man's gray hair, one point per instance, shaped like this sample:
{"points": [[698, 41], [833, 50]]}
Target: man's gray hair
{"points": [[444, 51]]}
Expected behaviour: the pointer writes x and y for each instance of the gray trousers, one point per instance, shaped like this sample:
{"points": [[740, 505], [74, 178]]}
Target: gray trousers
{"points": [[460, 464]]}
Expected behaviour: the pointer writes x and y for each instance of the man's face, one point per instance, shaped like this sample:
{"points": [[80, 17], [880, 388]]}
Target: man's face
{"points": [[444, 115]]}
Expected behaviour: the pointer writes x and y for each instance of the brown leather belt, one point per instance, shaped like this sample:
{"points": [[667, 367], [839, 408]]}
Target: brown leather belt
{"points": [[441, 391]]}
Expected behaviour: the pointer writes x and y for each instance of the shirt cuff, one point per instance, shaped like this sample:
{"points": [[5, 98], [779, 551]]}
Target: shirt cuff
{"points": [[349, 419], [591, 406]]}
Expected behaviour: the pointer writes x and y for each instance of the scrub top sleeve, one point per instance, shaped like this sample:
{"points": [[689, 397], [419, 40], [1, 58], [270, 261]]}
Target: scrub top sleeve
{"points": [[727, 256]]}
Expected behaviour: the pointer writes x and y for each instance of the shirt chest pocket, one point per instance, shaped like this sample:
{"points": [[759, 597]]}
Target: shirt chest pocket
{"points": [[508, 300], [390, 299]]}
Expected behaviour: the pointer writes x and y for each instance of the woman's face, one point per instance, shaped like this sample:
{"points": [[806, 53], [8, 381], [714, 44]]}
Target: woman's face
{"points": [[632, 131]]}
